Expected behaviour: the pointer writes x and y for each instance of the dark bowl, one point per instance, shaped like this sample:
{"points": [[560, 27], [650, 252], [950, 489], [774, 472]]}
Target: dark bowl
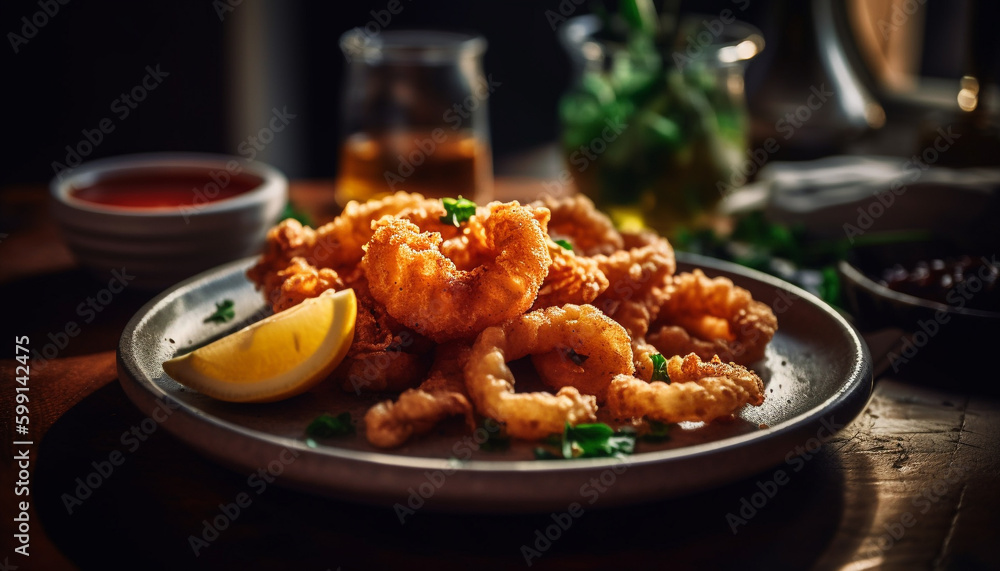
{"points": [[934, 337]]}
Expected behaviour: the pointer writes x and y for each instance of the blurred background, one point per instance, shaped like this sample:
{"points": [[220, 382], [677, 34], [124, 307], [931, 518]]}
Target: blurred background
{"points": [[845, 146], [231, 62]]}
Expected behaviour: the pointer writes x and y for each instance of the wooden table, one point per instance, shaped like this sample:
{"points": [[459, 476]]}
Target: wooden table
{"points": [[910, 484]]}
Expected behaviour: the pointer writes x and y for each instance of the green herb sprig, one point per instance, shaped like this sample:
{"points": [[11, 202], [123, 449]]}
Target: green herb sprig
{"points": [[656, 431], [660, 368], [596, 440], [223, 312], [329, 426], [458, 210]]}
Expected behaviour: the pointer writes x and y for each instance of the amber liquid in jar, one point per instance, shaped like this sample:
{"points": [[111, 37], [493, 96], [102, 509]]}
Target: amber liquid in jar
{"points": [[435, 163]]}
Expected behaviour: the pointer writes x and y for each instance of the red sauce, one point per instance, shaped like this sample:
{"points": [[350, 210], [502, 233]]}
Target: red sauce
{"points": [[963, 281], [166, 188]]}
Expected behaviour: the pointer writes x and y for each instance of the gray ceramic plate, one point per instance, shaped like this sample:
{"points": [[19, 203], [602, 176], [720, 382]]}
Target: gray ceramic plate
{"points": [[817, 370]]}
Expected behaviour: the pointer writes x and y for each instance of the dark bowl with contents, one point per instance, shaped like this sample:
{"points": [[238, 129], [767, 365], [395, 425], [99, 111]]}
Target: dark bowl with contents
{"points": [[945, 295]]}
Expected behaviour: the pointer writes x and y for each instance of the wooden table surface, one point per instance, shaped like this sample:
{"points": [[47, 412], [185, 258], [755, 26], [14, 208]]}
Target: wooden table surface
{"points": [[910, 484]]}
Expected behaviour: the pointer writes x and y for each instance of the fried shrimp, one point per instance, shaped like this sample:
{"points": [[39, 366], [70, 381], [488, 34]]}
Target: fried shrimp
{"points": [[642, 358], [712, 317], [385, 355], [424, 290], [601, 348], [441, 395], [299, 282], [448, 296], [698, 391], [341, 242], [638, 277], [571, 279], [285, 242], [576, 220], [336, 245]]}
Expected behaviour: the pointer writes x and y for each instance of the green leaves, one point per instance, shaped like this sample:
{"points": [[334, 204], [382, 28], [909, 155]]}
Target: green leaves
{"points": [[596, 440], [565, 245], [291, 212], [787, 252], [328, 426], [656, 431], [660, 368], [223, 312], [496, 441], [458, 210], [640, 15]]}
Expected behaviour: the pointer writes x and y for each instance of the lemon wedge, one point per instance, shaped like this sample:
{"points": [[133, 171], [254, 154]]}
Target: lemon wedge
{"points": [[276, 358]]}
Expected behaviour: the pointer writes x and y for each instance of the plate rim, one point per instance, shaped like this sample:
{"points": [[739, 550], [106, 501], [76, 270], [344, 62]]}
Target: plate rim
{"points": [[851, 396]]}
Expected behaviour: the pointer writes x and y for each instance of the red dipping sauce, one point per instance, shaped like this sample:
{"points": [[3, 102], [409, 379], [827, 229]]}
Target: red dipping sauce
{"points": [[166, 188]]}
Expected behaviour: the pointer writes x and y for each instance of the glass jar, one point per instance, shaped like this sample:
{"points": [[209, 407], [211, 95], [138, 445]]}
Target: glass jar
{"points": [[658, 136], [415, 116]]}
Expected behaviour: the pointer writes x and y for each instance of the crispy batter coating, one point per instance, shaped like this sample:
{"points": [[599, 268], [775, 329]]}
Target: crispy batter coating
{"points": [[571, 279], [642, 358], [299, 282], [535, 415], [385, 355], [441, 395], [460, 293], [698, 391], [712, 317], [638, 278], [285, 242], [576, 220], [423, 289], [338, 244]]}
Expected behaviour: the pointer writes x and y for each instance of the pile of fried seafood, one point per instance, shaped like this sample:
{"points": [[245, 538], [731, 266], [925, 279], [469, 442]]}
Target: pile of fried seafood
{"points": [[444, 307]]}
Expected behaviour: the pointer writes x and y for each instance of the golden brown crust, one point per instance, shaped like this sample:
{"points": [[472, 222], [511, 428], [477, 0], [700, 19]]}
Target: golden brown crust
{"points": [[712, 317], [583, 329], [423, 289], [698, 391], [441, 395], [576, 220], [498, 287]]}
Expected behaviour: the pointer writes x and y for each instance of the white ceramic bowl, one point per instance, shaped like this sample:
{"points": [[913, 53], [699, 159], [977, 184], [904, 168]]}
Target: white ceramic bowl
{"points": [[163, 245]]}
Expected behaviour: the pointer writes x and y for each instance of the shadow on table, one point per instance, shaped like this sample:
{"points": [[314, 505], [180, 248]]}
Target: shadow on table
{"points": [[144, 512], [70, 313]]}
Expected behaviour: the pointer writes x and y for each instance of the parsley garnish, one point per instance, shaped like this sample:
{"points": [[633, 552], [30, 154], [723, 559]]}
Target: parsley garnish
{"points": [[458, 210], [596, 440], [223, 312], [291, 212], [565, 244], [660, 368], [496, 441], [657, 431], [546, 454], [328, 426]]}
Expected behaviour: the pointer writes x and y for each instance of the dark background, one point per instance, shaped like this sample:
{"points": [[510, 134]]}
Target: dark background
{"points": [[64, 79]]}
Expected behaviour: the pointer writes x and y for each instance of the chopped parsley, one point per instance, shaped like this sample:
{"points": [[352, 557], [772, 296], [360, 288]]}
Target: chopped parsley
{"points": [[223, 312], [291, 212], [496, 440], [458, 210], [660, 368], [596, 440], [546, 454], [565, 244], [656, 431], [329, 426]]}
